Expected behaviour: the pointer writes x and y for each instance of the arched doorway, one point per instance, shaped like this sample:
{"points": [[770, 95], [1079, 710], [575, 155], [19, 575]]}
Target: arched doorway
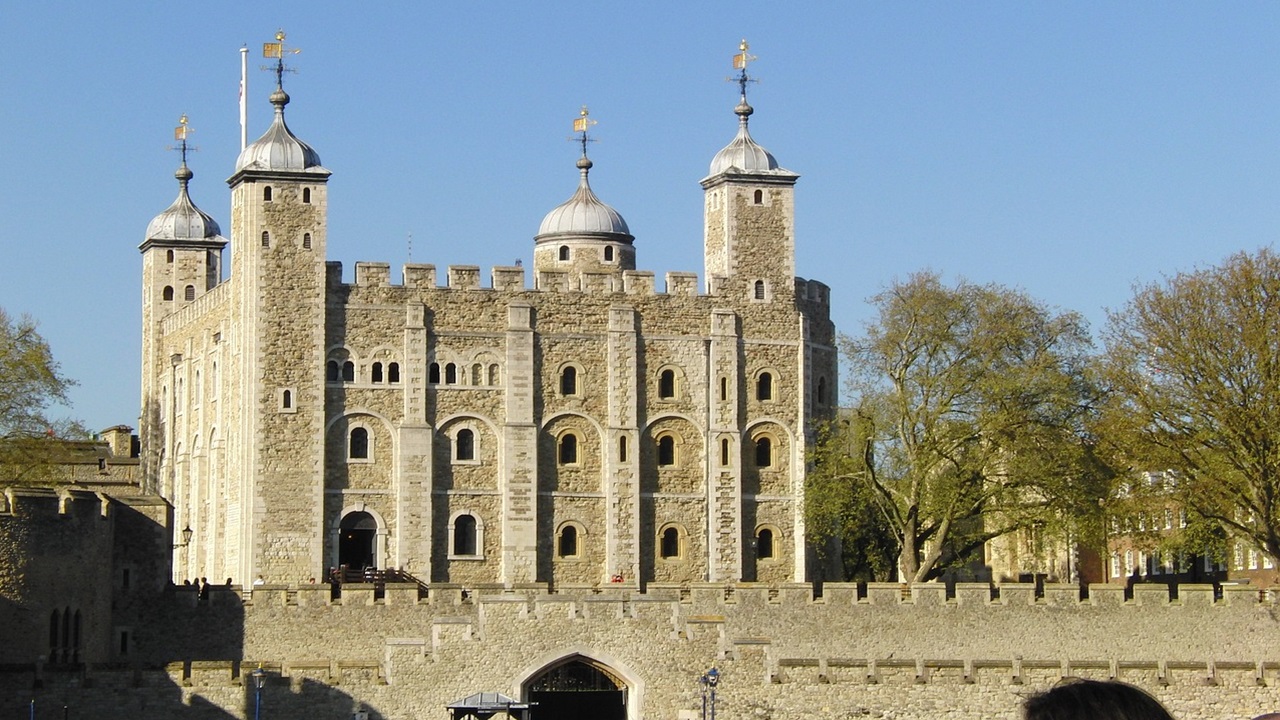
{"points": [[577, 688], [356, 537]]}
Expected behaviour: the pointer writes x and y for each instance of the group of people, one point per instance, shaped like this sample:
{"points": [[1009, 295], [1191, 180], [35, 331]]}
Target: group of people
{"points": [[202, 586], [1099, 700]]}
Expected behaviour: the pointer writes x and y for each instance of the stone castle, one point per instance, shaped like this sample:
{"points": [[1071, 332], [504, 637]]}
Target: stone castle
{"points": [[590, 493]]}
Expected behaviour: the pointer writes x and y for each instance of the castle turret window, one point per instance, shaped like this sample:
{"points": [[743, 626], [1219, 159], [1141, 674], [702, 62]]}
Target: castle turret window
{"points": [[666, 450], [375, 374], [764, 452], [622, 449], [464, 445], [464, 536], [358, 447], [393, 373], [493, 374], [724, 452], [569, 380], [433, 373], [764, 544], [306, 195], [669, 543], [568, 545], [564, 253], [349, 371], [759, 290], [608, 253], [568, 451], [306, 241], [266, 193], [667, 384], [450, 374], [764, 386], [167, 293], [189, 293], [266, 239], [758, 197], [332, 372], [168, 256], [286, 400]]}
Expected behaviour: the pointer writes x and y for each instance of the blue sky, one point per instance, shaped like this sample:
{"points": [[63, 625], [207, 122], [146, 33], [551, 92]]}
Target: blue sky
{"points": [[1069, 149]]}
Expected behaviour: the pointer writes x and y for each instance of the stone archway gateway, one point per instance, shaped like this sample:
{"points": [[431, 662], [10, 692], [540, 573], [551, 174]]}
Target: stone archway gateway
{"points": [[577, 687], [356, 536]]}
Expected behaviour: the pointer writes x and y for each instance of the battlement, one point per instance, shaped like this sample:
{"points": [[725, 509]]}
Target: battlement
{"points": [[196, 309], [512, 279], [33, 502]]}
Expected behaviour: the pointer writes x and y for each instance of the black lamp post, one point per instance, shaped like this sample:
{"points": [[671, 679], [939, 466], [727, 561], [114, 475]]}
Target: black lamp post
{"points": [[187, 532], [708, 681], [259, 677]]}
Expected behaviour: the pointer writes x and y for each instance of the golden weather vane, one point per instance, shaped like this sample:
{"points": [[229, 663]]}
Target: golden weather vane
{"points": [[741, 60], [278, 50], [581, 125], [180, 134]]}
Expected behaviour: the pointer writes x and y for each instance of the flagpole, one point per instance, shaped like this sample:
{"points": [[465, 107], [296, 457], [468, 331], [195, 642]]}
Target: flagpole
{"points": [[244, 89]]}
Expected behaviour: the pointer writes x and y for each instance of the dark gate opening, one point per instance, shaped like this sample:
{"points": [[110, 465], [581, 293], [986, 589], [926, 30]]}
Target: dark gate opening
{"points": [[576, 690], [356, 536]]}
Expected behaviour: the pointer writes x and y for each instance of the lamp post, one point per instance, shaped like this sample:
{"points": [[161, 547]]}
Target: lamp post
{"points": [[708, 681], [258, 678], [187, 532]]}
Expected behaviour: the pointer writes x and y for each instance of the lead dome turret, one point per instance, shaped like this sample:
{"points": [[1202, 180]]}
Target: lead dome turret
{"points": [[279, 149], [183, 220], [584, 215]]}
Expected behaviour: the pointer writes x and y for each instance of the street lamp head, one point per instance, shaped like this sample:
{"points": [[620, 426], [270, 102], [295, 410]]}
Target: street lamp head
{"points": [[712, 677], [259, 677], [187, 532]]}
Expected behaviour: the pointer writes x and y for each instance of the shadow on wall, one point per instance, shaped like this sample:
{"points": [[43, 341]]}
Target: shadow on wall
{"points": [[121, 693]]}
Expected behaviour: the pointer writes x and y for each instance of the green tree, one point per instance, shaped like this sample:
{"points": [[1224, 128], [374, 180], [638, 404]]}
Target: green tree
{"points": [[970, 403], [30, 383], [846, 529], [1193, 369]]}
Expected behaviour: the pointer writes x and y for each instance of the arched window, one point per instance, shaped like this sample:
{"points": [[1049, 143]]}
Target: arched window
{"points": [[608, 253], [332, 372], [168, 293], [758, 197], [568, 451], [759, 290], [622, 448], [569, 380], [724, 389], [724, 452], [358, 448], [306, 195], [493, 374], [568, 541], [564, 252], [764, 386], [349, 371], [764, 544], [667, 384], [168, 256], [477, 374], [464, 535], [266, 193], [375, 374], [666, 450], [464, 445], [286, 400], [266, 239], [433, 373], [306, 241], [450, 374], [189, 293], [393, 373], [764, 452], [669, 546]]}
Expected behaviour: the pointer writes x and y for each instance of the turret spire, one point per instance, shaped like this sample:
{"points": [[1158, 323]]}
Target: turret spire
{"points": [[180, 133], [740, 62], [278, 50]]}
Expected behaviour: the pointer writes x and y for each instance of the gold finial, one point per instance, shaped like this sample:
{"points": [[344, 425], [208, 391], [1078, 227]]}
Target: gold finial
{"points": [[278, 50], [180, 132], [742, 59], [581, 125]]}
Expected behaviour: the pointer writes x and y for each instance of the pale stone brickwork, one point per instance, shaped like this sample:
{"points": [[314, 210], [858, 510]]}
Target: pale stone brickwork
{"points": [[286, 412]]}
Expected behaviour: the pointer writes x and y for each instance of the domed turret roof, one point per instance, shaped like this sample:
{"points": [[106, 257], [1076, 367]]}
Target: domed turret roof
{"points": [[183, 220], [279, 149], [584, 214], [743, 154]]}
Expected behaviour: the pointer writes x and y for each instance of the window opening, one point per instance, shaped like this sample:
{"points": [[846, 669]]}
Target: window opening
{"points": [[168, 293], [724, 452], [667, 384], [759, 290], [568, 449], [266, 193], [375, 374], [450, 374], [759, 197], [493, 374], [764, 452], [822, 391], [433, 373], [464, 445], [189, 293], [393, 372], [622, 449], [359, 447], [464, 535], [608, 253], [266, 239], [568, 541], [670, 545], [724, 389], [569, 381], [168, 256], [477, 374], [332, 373], [564, 252], [764, 544], [349, 371], [286, 399], [306, 195], [306, 241], [666, 450], [764, 387]]}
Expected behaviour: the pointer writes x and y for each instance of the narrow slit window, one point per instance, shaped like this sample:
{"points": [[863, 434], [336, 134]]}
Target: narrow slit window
{"points": [[724, 389], [266, 193], [168, 257], [724, 452], [608, 253], [564, 253], [666, 450], [569, 381], [266, 239], [764, 386], [764, 452], [286, 400], [759, 290], [306, 195], [306, 241], [622, 449], [667, 384], [758, 198]]}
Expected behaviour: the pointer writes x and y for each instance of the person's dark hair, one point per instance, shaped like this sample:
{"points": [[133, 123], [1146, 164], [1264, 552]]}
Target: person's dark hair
{"points": [[1093, 700]]}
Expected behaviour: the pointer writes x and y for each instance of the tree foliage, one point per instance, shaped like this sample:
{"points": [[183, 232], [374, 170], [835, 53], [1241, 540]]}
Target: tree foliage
{"points": [[969, 412], [1193, 369], [30, 383]]}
